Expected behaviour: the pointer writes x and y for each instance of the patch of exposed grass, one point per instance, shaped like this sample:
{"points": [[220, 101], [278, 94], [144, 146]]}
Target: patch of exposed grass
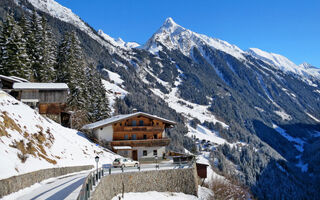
{"points": [[47, 159], [39, 137], [8, 123], [230, 189]]}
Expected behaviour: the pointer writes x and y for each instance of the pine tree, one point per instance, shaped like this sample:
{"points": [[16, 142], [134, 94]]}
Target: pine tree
{"points": [[98, 106], [47, 59], [71, 70], [14, 59], [33, 45]]}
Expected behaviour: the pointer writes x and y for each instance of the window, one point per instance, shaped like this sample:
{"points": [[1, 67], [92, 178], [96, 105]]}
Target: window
{"points": [[101, 128], [134, 136], [144, 153], [141, 123], [120, 124], [134, 123], [144, 137], [155, 152], [155, 136], [126, 137]]}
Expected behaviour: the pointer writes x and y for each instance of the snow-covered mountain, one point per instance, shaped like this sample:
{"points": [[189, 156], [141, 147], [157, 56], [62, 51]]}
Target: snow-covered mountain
{"points": [[118, 42], [174, 36], [237, 100], [284, 64], [30, 142]]}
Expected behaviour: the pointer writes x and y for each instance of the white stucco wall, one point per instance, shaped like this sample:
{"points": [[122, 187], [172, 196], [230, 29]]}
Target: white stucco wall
{"points": [[160, 151], [104, 133]]}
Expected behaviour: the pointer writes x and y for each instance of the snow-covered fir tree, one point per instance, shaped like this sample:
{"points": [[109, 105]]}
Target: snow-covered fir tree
{"points": [[98, 108], [14, 58], [48, 52], [71, 70], [34, 35]]}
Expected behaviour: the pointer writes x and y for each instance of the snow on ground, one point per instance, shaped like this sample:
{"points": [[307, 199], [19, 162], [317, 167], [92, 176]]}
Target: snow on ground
{"points": [[118, 42], [40, 142], [303, 166], [188, 109], [114, 77], [313, 117], [114, 90], [284, 64], [284, 116], [298, 142], [204, 158], [316, 134], [203, 194], [202, 133], [153, 195]]}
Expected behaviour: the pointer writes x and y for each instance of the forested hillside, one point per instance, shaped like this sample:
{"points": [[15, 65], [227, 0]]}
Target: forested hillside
{"points": [[265, 113]]}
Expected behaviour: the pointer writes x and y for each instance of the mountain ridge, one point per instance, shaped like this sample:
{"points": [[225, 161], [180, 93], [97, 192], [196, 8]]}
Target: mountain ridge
{"points": [[250, 96]]}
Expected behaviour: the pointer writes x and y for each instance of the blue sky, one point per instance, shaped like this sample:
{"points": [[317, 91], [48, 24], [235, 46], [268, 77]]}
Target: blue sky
{"points": [[290, 28]]}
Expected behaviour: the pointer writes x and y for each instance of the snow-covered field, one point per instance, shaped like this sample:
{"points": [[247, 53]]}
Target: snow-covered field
{"points": [[203, 194], [30, 142]]}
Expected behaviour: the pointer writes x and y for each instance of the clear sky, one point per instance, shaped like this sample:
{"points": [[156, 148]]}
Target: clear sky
{"points": [[287, 27]]}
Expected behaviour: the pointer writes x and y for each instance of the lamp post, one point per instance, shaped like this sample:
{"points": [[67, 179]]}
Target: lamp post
{"points": [[157, 166], [97, 160]]}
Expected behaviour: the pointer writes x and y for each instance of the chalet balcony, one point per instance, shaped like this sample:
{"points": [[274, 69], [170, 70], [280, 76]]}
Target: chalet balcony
{"points": [[144, 143], [139, 129]]}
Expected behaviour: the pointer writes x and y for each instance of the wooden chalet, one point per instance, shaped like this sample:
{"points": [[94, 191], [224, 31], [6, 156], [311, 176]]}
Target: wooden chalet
{"points": [[48, 98], [138, 135]]}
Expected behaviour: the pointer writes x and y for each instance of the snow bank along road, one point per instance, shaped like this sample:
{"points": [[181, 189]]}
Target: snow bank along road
{"points": [[69, 186]]}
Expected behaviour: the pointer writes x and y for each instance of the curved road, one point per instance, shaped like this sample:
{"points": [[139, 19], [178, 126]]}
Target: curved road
{"points": [[69, 186], [66, 187]]}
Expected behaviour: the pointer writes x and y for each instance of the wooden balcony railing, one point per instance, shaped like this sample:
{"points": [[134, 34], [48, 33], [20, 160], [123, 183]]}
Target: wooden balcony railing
{"points": [[139, 128], [144, 143]]}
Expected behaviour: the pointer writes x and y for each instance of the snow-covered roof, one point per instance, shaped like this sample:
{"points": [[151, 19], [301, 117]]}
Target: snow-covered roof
{"points": [[40, 86], [13, 79], [122, 147], [118, 118]]}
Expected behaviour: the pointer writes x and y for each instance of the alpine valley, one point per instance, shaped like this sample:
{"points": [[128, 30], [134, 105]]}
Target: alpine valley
{"points": [[260, 110]]}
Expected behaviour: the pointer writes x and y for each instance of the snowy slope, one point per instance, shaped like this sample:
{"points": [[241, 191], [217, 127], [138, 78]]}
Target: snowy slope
{"points": [[174, 36], [284, 64], [58, 11], [40, 143], [118, 42]]}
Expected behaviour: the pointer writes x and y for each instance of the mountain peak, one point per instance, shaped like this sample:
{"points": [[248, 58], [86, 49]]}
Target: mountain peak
{"points": [[169, 22], [306, 65], [170, 26]]}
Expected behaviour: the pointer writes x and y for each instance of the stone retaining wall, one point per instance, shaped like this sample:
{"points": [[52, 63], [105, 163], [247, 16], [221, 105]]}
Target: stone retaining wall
{"points": [[16, 183], [173, 180]]}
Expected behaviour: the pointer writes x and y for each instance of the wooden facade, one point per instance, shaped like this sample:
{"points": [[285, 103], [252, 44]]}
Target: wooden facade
{"points": [[145, 143], [138, 128], [202, 170], [137, 135], [44, 96]]}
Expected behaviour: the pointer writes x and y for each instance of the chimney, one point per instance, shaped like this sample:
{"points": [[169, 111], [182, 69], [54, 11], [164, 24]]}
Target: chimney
{"points": [[134, 110]]}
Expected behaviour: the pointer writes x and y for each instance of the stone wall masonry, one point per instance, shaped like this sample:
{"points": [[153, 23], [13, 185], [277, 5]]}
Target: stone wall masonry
{"points": [[173, 180], [16, 183]]}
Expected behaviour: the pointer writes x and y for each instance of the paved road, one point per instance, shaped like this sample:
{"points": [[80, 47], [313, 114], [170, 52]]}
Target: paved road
{"points": [[69, 186]]}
